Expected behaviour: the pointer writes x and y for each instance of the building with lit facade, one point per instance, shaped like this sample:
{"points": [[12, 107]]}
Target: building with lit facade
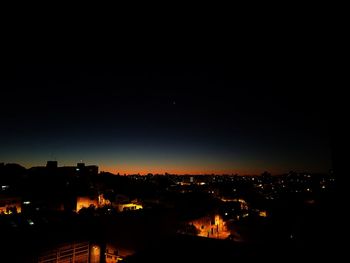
{"points": [[10, 205]]}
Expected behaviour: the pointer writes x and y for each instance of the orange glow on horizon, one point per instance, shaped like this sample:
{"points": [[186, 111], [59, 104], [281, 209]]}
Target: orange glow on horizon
{"points": [[184, 171], [205, 169]]}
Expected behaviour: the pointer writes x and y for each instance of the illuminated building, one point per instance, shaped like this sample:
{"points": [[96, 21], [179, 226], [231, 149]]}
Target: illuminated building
{"points": [[10, 205], [128, 207], [263, 213], [211, 227], [102, 201], [85, 202]]}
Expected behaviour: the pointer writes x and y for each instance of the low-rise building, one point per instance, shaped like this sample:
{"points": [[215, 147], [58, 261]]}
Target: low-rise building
{"points": [[10, 205]]}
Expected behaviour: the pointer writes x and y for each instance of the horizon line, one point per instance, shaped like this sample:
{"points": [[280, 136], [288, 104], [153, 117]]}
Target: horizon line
{"points": [[145, 173]]}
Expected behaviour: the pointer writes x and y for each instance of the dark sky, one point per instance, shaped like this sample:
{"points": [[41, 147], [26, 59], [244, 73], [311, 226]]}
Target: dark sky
{"points": [[178, 118]]}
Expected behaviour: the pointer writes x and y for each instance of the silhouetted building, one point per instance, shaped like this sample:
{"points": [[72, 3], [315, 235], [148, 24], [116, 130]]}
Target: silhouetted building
{"points": [[51, 165], [81, 166], [92, 169], [89, 170]]}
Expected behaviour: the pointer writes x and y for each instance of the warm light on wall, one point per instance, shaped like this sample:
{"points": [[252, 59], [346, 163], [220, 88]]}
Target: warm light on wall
{"points": [[263, 213], [210, 228], [10, 206], [86, 202], [128, 207], [102, 201]]}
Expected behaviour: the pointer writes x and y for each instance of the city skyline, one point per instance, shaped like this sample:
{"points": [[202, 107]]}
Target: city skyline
{"points": [[163, 118], [131, 170], [167, 163]]}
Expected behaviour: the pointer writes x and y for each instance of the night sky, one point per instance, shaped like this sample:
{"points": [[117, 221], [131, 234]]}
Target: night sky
{"points": [[140, 118]]}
